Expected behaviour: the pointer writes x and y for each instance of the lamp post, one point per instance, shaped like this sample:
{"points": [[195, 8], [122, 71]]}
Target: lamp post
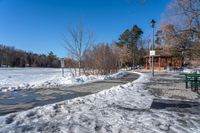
{"points": [[152, 25]]}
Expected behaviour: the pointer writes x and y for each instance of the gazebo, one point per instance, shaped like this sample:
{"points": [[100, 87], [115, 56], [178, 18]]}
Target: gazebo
{"points": [[162, 61]]}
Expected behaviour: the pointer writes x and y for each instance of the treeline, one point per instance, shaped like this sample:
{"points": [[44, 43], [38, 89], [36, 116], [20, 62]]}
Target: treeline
{"points": [[103, 58], [12, 57]]}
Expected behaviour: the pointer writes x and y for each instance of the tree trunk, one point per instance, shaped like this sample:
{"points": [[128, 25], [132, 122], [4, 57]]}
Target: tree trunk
{"points": [[182, 61], [79, 67], [133, 59]]}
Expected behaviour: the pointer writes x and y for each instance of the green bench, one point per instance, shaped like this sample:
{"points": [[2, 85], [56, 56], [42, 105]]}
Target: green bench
{"points": [[192, 81]]}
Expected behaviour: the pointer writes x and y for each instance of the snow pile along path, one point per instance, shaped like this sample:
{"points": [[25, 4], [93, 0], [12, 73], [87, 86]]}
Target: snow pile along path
{"points": [[123, 109], [25, 78], [103, 111]]}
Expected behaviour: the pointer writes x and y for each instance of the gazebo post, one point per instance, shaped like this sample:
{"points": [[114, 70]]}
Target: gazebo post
{"points": [[146, 63], [172, 61], [159, 63]]}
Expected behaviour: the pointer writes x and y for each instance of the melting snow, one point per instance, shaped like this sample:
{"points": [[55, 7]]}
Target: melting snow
{"points": [[26, 78], [124, 108]]}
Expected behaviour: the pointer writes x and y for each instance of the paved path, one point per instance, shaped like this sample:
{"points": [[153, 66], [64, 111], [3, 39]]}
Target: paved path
{"points": [[102, 85], [26, 99], [171, 86]]}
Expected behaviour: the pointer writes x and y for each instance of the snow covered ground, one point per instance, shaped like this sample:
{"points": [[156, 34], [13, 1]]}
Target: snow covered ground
{"points": [[124, 109], [25, 78]]}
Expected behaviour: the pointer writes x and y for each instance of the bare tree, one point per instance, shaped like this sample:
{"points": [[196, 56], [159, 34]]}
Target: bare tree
{"points": [[180, 26], [104, 59], [101, 59], [124, 55], [185, 15], [77, 41]]}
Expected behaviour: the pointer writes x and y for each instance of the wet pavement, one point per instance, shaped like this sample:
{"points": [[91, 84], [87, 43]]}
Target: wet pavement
{"points": [[176, 105]]}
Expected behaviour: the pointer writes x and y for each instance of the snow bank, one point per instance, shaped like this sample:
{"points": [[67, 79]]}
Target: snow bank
{"points": [[187, 70], [26, 78], [101, 112]]}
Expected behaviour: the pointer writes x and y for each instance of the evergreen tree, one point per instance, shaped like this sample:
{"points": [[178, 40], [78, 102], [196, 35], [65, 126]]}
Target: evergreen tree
{"points": [[130, 39]]}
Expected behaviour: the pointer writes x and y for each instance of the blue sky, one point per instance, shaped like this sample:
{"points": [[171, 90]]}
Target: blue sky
{"points": [[38, 25]]}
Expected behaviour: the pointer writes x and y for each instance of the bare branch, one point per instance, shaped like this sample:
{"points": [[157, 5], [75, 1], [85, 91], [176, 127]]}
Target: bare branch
{"points": [[77, 42]]}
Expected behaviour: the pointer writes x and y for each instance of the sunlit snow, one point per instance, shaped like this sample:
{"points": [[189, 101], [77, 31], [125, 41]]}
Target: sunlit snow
{"points": [[26, 78], [124, 108]]}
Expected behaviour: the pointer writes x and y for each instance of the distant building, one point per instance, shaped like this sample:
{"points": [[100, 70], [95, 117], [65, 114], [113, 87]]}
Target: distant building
{"points": [[162, 61]]}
